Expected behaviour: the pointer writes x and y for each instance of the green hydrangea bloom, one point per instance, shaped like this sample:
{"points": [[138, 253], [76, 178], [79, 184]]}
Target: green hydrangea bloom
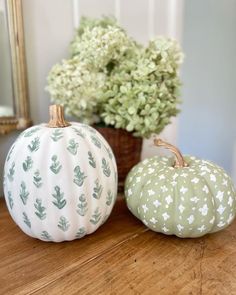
{"points": [[73, 85], [113, 79], [142, 94]]}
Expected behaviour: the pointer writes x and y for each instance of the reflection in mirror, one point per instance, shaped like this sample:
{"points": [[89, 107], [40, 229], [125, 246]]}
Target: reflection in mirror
{"points": [[6, 83]]}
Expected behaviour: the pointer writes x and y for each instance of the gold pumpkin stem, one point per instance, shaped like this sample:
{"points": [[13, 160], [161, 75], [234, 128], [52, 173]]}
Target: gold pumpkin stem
{"points": [[57, 119], [179, 159]]}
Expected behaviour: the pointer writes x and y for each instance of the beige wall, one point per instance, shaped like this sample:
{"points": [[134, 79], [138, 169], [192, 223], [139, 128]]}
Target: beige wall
{"points": [[49, 27]]}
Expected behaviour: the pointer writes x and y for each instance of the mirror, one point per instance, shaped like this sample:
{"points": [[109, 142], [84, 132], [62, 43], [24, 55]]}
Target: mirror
{"points": [[14, 106]]}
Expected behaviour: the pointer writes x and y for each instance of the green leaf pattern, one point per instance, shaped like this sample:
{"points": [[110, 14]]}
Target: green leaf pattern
{"points": [[34, 145], [73, 146], [63, 224], [79, 176], [46, 236], [23, 193], [56, 165], [27, 164], [92, 162], [40, 209], [106, 168], [96, 141], [10, 200], [10, 152], [36, 181], [59, 201], [11, 172], [109, 198], [26, 220], [96, 216], [79, 132], [57, 134], [31, 131], [109, 152], [80, 233], [82, 205], [97, 190]]}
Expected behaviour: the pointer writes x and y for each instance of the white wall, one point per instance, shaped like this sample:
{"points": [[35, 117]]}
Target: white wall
{"points": [[207, 124], [49, 27]]}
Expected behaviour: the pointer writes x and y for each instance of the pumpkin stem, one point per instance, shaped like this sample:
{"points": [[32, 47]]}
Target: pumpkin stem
{"points": [[179, 159], [57, 119]]}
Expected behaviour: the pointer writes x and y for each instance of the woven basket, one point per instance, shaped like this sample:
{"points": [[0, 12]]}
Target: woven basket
{"points": [[126, 148]]}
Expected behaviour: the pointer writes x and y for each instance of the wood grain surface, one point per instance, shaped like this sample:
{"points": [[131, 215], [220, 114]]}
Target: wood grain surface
{"points": [[122, 257]]}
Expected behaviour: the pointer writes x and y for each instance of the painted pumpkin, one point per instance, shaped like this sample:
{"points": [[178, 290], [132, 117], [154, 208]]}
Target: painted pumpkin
{"points": [[60, 180], [186, 197]]}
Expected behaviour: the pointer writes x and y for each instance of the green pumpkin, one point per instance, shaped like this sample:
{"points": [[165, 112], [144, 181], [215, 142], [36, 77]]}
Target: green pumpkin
{"points": [[186, 196]]}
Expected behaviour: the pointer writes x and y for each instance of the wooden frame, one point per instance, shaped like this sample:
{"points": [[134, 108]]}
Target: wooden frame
{"points": [[21, 120]]}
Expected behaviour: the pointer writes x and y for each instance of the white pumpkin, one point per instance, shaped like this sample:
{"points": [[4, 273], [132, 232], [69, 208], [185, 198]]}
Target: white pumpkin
{"points": [[60, 180]]}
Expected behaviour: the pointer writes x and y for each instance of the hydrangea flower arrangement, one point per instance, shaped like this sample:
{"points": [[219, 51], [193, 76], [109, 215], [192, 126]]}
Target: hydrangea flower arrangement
{"points": [[110, 78]]}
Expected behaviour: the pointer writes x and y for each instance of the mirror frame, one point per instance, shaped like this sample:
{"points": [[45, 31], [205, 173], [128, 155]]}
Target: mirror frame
{"points": [[21, 120]]}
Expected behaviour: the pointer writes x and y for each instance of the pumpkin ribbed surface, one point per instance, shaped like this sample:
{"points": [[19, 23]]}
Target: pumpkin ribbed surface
{"points": [[60, 183]]}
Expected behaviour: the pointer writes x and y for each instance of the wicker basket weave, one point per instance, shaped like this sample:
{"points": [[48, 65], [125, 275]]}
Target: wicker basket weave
{"points": [[126, 148]]}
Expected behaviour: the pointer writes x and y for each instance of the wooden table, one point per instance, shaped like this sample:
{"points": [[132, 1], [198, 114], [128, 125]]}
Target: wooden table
{"points": [[122, 257]]}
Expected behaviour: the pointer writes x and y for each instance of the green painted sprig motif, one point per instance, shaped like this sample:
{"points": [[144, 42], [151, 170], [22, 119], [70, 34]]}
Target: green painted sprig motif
{"points": [[31, 131], [92, 162], [10, 200], [79, 176], [96, 141], [82, 205], [109, 152], [57, 134], [59, 202], [73, 146], [79, 132], [96, 216], [11, 172], [106, 168], [27, 164], [63, 224], [46, 236], [23, 193], [56, 165], [10, 152], [40, 209], [26, 220], [90, 129], [109, 198], [97, 190], [37, 179], [34, 145], [81, 233]]}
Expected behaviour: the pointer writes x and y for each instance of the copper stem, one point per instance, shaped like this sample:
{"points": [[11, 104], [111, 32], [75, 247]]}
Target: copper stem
{"points": [[57, 119], [179, 159]]}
